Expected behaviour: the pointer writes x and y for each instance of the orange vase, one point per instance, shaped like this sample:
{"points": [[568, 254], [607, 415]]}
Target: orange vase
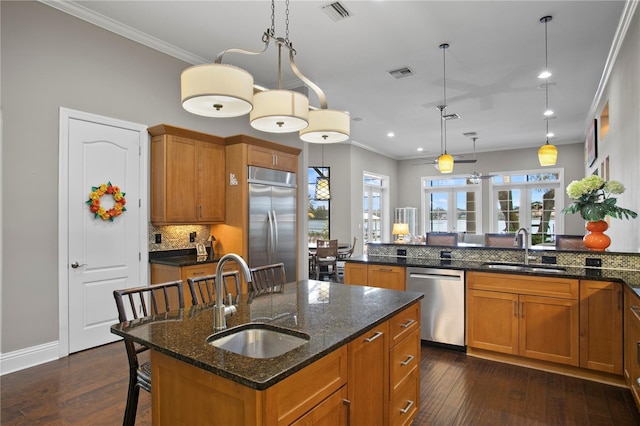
{"points": [[596, 239]]}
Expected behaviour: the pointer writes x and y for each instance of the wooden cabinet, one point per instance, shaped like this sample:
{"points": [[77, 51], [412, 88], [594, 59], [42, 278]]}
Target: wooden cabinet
{"points": [[369, 375], [164, 273], [240, 152], [372, 380], [534, 317], [601, 311], [632, 342], [187, 176], [383, 276], [355, 273], [271, 158], [404, 366]]}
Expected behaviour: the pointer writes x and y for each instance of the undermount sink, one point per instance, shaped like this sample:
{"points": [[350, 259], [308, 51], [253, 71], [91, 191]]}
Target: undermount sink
{"points": [[257, 340], [521, 267]]}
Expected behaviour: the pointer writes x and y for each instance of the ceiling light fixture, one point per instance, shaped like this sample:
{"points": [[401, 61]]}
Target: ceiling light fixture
{"points": [[322, 183], [221, 90], [547, 154], [445, 161]]}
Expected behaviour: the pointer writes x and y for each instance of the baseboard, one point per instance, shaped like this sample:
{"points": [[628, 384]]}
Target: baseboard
{"points": [[29, 357]]}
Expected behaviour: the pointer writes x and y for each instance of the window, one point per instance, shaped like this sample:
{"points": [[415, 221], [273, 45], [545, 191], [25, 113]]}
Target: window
{"points": [[318, 210], [528, 199], [374, 207], [451, 204]]}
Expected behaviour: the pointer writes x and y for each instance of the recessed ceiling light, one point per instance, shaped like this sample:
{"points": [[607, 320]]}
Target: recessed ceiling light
{"points": [[548, 112], [420, 149], [391, 134], [550, 134]]}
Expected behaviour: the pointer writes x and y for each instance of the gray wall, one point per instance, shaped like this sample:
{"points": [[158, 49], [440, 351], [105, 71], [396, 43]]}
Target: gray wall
{"points": [[50, 59], [570, 158]]}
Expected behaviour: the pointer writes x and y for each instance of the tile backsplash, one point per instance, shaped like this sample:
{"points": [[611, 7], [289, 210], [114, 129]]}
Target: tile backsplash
{"points": [[175, 237]]}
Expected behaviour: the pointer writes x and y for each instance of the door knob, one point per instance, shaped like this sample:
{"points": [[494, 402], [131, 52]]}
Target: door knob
{"points": [[76, 265]]}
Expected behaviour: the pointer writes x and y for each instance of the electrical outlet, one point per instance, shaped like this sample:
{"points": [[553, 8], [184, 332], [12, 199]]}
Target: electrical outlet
{"points": [[158, 238], [445, 255], [549, 260], [192, 237], [401, 253], [594, 262]]}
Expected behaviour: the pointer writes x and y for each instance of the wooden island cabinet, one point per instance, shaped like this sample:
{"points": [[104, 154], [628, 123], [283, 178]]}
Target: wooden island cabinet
{"points": [[375, 275]]}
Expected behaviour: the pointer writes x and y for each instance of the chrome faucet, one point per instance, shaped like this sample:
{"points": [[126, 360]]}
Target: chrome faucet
{"points": [[526, 243], [220, 311]]}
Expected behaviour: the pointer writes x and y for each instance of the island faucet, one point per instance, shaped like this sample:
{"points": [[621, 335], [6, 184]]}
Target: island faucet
{"points": [[220, 311], [526, 243]]}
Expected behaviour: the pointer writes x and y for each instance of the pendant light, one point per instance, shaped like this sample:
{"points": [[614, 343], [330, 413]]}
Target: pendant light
{"points": [[221, 90], [445, 161], [547, 154], [322, 184]]}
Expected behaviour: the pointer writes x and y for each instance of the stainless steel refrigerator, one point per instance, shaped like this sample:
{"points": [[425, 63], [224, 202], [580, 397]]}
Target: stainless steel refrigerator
{"points": [[272, 219]]}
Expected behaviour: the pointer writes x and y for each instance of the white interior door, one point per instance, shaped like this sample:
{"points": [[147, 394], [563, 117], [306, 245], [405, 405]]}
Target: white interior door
{"points": [[102, 255]]}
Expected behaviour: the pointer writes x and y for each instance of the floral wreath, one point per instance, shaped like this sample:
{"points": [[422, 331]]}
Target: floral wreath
{"points": [[94, 201]]}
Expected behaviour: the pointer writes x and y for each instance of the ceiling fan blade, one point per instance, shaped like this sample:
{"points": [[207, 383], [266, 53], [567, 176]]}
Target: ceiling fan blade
{"points": [[464, 161]]}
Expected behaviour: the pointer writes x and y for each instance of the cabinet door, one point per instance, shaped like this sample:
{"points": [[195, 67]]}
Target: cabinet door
{"points": [[181, 168], [369, 376], [333, 411], [211, 183], [632, 343], [355, 273], [549, 329], [601, 326], [391, 277], [492, 321], [272, 159]]}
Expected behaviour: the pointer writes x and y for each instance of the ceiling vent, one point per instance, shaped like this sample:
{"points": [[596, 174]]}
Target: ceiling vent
{"points": [[336, 11], [401, 73]]}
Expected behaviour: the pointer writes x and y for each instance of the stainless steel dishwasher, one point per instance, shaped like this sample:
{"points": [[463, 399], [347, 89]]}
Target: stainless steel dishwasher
{"points": [[442, 309]]}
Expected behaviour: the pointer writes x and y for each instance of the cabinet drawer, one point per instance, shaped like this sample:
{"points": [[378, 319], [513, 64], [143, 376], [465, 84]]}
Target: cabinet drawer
{"points": [[404, 323], [522, 284], [404, 404], [197, 271], [404, 358]]}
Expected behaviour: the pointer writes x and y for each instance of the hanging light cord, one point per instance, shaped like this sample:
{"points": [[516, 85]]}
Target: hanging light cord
{"points": [[443, 107], [546, 80]]}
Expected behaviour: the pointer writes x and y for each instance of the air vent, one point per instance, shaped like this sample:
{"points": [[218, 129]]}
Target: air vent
{"points": [[336, 11], [401, 73]]}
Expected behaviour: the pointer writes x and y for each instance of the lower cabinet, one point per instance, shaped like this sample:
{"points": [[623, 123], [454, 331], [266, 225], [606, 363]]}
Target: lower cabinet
{"points": [[373, 380], [533, 317], [632, 343], [601, 311], [374, 275], [164, 273]]}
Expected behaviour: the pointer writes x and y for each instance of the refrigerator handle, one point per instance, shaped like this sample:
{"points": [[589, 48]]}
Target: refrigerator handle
{"points": [[276, 241], [269, 236]]}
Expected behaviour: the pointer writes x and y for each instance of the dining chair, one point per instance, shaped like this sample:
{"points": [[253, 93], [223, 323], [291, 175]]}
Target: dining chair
{"points": [[268, 276], [203, 288], [441, 239], [502, 240], [570, 242], [344, 254], [139, 302], [327, 257]]}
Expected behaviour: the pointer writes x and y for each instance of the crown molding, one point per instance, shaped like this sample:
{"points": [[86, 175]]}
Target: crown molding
{"points": [[97, 19]]}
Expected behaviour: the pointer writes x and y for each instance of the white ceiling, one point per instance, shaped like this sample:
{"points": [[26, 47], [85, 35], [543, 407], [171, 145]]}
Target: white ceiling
{"points": [[496, 52]]}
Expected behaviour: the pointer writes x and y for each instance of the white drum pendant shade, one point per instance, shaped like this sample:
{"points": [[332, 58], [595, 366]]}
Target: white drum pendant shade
{"points": [[279, 111], [217, 90], [326, 126]]}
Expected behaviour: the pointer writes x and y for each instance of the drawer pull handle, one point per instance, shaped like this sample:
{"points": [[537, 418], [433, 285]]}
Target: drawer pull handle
{"points": [[374, 337], [407, 361], [638, 353], [408, 323], [406, 409], [348, 404]]}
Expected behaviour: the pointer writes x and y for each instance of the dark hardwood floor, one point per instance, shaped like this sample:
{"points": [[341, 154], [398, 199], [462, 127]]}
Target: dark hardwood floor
{"points": [[89, 388]]}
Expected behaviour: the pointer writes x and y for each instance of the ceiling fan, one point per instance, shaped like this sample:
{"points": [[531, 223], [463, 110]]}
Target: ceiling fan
{"points": [[434, 160], [475, 176]]}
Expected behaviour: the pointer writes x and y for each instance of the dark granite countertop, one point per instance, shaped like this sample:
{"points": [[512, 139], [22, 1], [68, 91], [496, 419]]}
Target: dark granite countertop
{"points": [[332, 314], [631, 278], [179, 258]]}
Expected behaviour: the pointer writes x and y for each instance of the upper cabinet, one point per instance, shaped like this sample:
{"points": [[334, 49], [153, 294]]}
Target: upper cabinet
{"points": [[187, 176], [267, 154]]}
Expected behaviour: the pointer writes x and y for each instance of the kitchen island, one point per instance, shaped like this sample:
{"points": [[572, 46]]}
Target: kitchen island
{"points": [[194, 381]]}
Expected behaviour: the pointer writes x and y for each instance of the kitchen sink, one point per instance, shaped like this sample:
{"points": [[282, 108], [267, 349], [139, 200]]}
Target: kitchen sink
{"points": [[257, 340], [521, 267]]}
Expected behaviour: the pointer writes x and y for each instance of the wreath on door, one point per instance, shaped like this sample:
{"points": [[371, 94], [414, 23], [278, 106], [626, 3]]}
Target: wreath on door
{"points": [[97, 192]]}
